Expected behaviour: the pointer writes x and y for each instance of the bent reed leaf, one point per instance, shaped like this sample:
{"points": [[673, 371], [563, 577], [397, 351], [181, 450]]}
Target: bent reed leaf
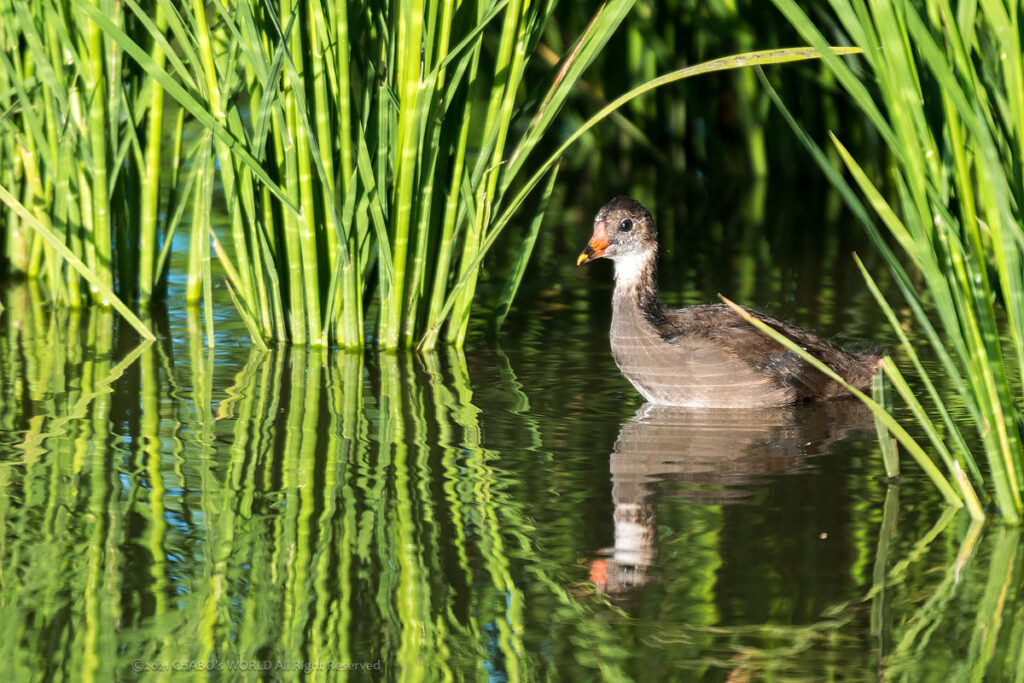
{"points": [[57, 244]]}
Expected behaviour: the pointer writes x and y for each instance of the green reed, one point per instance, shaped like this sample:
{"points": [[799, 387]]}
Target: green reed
{"points": [[81, 133], [368, 156], [948, 100], [342, 135]]}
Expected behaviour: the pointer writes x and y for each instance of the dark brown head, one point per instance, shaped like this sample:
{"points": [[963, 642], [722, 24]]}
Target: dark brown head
{"points": [[622, 227]]}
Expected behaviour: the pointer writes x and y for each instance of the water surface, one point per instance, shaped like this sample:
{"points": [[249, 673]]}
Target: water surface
{"points": [[511, 513]]}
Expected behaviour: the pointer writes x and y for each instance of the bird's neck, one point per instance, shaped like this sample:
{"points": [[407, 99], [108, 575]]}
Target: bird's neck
{"points": [[636, 283]]}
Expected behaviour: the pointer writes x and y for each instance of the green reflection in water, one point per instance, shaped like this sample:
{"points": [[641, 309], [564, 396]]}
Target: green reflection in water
{"points": [[510, 517]]}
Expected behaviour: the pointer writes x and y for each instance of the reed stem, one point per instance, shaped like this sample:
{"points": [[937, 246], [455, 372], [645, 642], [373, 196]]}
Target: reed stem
{"points": [[149, 204]]}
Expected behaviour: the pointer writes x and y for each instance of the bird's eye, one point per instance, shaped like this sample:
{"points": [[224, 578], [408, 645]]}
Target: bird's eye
{"points": [[626, 225]]}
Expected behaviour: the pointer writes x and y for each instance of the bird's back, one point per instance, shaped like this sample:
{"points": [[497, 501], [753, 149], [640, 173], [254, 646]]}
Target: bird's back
{"points": [[746, 345]]}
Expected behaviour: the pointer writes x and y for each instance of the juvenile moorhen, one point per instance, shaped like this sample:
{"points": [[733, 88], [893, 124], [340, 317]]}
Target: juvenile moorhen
{"points": [[704, 356]]}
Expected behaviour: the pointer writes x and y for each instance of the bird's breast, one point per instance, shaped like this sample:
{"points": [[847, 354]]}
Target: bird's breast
{"points": [[689, 370]]}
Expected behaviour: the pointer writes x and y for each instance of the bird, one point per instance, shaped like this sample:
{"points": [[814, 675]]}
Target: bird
{"points": [[705, 356]]}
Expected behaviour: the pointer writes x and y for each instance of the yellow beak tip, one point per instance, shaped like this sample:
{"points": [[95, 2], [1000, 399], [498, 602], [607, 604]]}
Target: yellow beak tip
{"points": [[581, 260]]}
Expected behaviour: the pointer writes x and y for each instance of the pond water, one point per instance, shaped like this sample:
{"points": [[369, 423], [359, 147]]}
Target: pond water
{"points": [[514, 512]]}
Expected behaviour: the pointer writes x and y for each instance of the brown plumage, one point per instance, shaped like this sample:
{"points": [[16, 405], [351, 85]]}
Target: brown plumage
{"points": [[704, 356]]}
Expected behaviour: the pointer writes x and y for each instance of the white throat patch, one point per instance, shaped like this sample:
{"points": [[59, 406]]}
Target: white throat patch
{"points": [[630, 267]]}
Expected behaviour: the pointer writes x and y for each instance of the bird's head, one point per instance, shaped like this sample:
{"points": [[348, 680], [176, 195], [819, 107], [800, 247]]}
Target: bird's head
{"points": [[623, 227]]}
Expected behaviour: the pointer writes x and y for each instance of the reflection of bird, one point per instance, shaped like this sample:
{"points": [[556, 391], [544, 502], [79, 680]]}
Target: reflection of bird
{"points": [[703, 356], [716, 453]]}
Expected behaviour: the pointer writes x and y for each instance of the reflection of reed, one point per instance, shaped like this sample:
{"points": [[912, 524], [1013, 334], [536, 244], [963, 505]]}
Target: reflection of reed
{"points": [[179, 506], [989, 589], [62, 518], [705, 456], [317, 510]]}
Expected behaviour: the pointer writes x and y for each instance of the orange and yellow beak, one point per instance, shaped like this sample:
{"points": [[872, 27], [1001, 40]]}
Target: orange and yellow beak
{"points": [[595, 248]]}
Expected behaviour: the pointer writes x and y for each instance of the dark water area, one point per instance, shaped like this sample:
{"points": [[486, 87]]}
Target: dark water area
{"points": [[514, 512]]}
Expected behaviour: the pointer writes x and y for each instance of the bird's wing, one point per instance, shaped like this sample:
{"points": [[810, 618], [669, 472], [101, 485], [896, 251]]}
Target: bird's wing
{"points": [[740, 339]]}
